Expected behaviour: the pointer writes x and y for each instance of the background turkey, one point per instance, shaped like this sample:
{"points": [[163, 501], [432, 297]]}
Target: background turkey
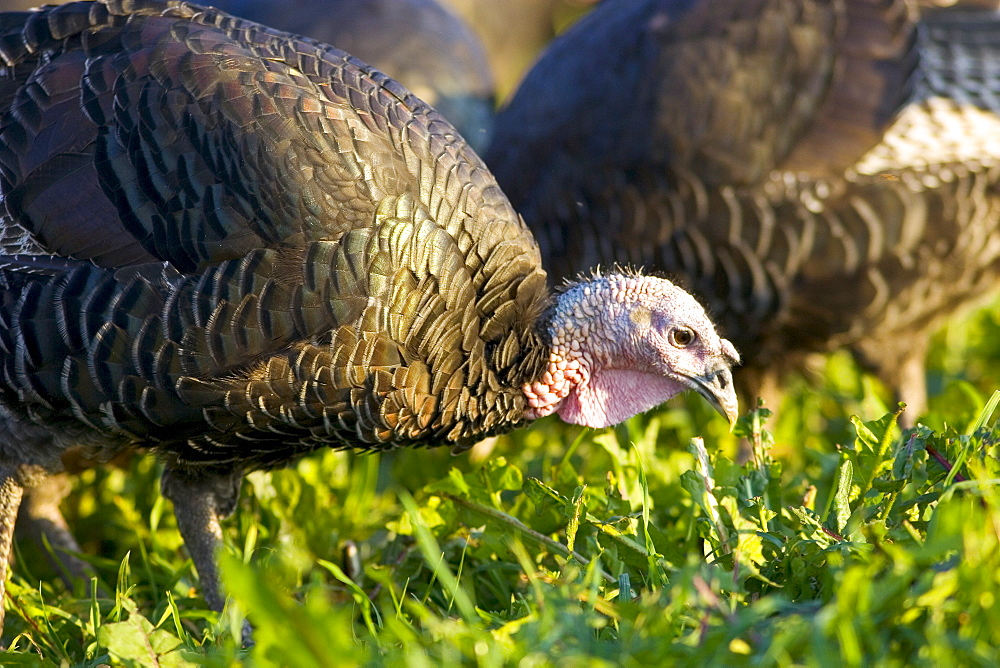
{"points": [[416, 42], [234, 247], [822, 174], [514, 32]]}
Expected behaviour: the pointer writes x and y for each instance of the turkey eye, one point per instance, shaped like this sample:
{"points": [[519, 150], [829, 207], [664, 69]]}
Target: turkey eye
{"points": [[682, 337]]}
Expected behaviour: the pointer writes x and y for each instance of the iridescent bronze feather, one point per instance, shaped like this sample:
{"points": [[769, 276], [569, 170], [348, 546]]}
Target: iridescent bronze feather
{"points": [[233, 246], [822, 174]]}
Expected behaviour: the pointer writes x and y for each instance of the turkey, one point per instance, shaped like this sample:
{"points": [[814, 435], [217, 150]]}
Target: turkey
{"points": [[821, 174], [418, 43], [231, 247], [514, 32]]}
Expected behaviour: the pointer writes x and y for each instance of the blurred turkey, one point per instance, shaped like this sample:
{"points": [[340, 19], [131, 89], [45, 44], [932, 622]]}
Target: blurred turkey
{"points": [[418, 43], [822, 174], [232, 247], [514, 32]]}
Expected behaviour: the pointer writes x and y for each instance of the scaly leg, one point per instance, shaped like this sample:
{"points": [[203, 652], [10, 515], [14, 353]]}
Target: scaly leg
{"points": [[201, 500], [912, 389], [14, 479], [901, 367], [11, 491], [41, 518]]}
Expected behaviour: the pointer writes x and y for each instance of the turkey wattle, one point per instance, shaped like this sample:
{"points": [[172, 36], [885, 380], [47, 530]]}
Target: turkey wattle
{"points": [[232, 247]]}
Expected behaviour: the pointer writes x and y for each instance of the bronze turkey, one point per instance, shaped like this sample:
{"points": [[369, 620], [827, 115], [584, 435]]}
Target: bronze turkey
{"points": [[231, 246], [822, 174]]}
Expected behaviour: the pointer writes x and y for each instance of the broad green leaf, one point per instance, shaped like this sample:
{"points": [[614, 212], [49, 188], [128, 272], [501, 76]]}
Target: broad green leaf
{"points": [[544, 496], [137, 641], [842, 497], [574, 521]]}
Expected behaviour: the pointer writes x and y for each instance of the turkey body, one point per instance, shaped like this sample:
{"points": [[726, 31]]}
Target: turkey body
{"points": [[822, 174], [418, 43], [385, 252], [514, 32], [233, 246]]}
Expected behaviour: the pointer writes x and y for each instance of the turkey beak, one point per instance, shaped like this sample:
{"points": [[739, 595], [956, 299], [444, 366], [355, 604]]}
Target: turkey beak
{"points": [[717, 388]]}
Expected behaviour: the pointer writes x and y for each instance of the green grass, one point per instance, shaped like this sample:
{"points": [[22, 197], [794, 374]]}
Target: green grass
{"points": [[841, 543]]}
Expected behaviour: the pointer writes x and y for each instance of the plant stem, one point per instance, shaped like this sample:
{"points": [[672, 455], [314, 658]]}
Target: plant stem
{"points": [[522, 528], [943, 461]]}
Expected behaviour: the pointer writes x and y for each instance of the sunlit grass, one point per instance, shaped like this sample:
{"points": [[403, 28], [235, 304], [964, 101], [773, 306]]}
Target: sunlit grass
{"points": [[845, 543]]}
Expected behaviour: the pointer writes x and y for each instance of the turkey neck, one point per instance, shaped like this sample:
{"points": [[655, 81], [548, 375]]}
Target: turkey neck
{"points": [[372, 288]]}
